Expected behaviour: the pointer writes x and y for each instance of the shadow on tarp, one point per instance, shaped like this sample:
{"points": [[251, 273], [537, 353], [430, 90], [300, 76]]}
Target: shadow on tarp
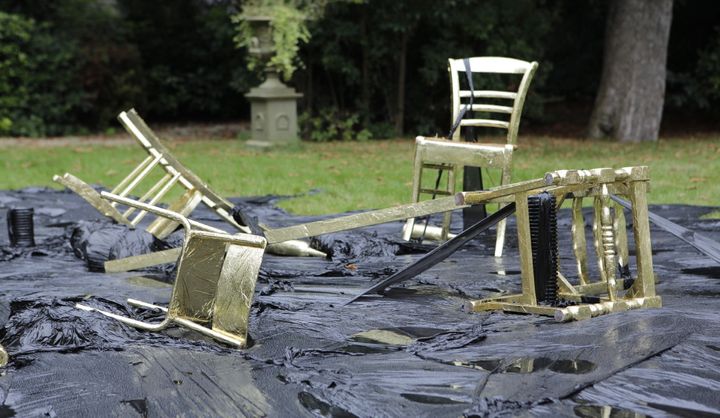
{"points": [[411, 352]]}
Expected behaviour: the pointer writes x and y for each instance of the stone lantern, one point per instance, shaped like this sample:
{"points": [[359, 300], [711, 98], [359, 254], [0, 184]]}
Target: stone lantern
{"points": [[273, 105]]}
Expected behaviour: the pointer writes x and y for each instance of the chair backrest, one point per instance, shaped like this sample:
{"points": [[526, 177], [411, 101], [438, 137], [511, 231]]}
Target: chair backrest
{"points": [[137, 127], [514, 98]]}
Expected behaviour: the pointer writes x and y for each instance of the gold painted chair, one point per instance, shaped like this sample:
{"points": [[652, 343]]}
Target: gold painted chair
{"points": [[609, 292], [215, 280], [175, 173], [451, 155]]}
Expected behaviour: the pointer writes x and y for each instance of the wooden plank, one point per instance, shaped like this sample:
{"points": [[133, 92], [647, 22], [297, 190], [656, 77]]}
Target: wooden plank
{"points": [[359, 220], [476, 198]]}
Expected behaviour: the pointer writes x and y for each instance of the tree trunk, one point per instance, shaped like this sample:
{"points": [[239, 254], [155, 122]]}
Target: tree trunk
{"points": [[630, 99], [402, 70]]}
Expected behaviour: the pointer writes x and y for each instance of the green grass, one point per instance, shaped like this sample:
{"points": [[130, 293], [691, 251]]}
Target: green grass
{"points": [[363, 175]]}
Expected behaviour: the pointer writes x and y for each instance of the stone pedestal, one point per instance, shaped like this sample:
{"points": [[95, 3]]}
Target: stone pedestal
{"points": [[273, 113]]}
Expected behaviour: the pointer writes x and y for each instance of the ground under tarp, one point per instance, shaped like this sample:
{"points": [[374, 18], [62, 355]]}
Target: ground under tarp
{"points": [[413, 352]]}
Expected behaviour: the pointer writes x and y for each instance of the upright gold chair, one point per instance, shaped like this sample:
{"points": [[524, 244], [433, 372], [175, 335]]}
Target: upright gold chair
{"points": [[500, 109]]}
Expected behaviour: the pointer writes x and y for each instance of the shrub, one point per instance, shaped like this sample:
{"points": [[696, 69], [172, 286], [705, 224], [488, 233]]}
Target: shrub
{"points": [[332, 125], [35, 78]]}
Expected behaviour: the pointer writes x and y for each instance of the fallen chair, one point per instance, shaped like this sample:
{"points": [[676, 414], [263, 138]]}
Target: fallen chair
{"points": [[543, 285], [175, 173], [215, 280], [545, 290], [217, 271]]}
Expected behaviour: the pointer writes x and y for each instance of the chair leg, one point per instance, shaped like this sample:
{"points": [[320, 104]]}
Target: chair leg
{"points": [[447, 216], [129, 321], [500, 239], [218, 335], [417, 183]]}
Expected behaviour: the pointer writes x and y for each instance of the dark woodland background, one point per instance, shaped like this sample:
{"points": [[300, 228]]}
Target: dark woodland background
{"points": [[70, 66]]}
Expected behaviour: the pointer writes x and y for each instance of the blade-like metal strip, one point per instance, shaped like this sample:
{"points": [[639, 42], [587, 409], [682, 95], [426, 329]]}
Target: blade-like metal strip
{"points": [[441, 252], [700, 242]]}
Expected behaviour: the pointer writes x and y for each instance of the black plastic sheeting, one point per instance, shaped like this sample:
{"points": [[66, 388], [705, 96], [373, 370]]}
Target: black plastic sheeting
{"points": [[412, 352]]}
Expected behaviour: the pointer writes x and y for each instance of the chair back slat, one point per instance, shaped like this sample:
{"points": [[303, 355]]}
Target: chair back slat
{"points": [[486, 123], [488, 94], [152, 141], [123, 184], [149, 194], [491, 108], [500, 65], [140, 177], [159, 195]]}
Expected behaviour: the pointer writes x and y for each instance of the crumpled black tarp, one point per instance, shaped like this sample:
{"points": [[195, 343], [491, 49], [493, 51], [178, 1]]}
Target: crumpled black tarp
{"points": [[413, 352]]}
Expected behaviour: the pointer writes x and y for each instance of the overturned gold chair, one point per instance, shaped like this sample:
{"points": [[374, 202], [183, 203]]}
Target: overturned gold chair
{"points": [[541, 278], [174, 173], [215, 280], [452, 155]]}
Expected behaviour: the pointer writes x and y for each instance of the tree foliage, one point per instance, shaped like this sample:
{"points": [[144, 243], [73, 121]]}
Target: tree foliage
{"points": [[72, 65], [37, 77], [353, 59], [83, 61]]}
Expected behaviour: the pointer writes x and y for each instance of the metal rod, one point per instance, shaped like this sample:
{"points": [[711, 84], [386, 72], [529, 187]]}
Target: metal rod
{"points": [[129, 321]]}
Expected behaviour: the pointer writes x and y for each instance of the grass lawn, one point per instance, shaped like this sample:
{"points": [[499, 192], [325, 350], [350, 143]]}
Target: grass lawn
{"points": [[364, 175]]}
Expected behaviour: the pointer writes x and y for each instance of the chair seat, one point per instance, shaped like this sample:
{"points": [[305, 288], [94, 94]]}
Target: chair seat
{"points": [[463, 153]]}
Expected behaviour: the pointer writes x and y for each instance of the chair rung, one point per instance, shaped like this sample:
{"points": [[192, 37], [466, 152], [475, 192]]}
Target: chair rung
{"points": [[437, 166], [436, 192]]}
